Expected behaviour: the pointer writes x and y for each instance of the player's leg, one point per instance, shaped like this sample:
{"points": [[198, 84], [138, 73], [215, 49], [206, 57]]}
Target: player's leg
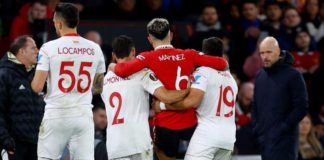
{"points": [[186, 134], [82, 141], [52, 139], [166, 143], [223, 154], [146, 155], [198, 151]]}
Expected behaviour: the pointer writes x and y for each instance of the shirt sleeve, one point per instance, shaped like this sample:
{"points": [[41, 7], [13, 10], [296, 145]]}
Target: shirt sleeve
{"points": [[199, 80], [43, 62], [218, 63], [131, 67], [150, 82], [101, 65]]}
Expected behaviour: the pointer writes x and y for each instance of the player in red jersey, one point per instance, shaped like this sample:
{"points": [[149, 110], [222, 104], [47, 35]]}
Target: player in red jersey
{"points": [[173, 67]]}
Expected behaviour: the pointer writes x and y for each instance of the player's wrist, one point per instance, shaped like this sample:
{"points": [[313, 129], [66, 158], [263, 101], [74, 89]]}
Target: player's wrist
{"points": [[162, 106]]}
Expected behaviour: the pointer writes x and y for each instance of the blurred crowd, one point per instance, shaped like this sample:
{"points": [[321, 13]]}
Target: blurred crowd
{"points": [[298, 25]]}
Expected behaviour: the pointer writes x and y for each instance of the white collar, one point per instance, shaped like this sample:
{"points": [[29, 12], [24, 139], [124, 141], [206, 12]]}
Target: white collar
{"points": [[163, 46]]}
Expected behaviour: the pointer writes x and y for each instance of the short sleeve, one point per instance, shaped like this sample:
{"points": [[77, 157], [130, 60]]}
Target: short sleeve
{"points": [[43, 62], [151, 82], [199, 80], [101, 65]]}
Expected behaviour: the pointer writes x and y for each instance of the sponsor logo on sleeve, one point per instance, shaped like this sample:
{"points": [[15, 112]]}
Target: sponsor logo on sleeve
{"points": [[140, 57], [195, 79]]}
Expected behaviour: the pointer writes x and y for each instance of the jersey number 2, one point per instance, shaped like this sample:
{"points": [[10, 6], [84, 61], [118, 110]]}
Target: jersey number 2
{"points": [[223, 97], [119, 103], [68, 72]]}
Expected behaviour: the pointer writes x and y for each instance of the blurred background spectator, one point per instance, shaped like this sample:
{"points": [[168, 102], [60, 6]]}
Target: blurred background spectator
{"points": [[309, 146], [106, 49], [243, 104], [272, 23], [307, 58], [208, 25], [31, 20], [286, 34]]}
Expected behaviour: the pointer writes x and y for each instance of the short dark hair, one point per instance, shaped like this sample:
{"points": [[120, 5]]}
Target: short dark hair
{"points": [[208, 5], [69, 13], [248, 2], [159, 28], [42, 2], [122, 46], [19, 42], [97, 103], [272, 3], [287, 8], [213, 46]]}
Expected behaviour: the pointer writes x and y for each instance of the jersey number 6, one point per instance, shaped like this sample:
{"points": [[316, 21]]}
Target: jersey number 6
{"points": [[68, 72]]}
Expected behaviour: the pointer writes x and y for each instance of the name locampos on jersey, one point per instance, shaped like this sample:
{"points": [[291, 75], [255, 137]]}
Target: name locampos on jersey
{"points": [[72, 62]]}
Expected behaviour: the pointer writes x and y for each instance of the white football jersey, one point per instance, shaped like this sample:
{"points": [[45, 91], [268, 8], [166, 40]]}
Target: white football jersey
{"points": [[127, 106], [216, 113], [72, 62]]}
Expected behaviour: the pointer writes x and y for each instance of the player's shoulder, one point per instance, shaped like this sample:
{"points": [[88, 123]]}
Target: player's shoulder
{"points": [[140, 75], [204, 70], [50, 46], [192, 51], [144, 55]]}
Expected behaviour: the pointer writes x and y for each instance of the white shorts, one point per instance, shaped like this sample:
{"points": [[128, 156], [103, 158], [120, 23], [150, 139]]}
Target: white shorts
{"points": [[75, 132], [198, 151], [146, 155]]}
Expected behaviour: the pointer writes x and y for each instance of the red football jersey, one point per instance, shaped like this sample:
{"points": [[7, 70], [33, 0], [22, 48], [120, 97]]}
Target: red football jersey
{"points": [[306, 60], [173, 68]]}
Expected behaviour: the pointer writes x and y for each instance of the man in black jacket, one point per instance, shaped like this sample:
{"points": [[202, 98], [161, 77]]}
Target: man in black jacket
{"points": [[280, 102], [21, 110]]}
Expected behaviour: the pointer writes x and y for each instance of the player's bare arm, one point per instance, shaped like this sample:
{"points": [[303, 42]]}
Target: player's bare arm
{"points": [[97, 84], [39, 80], [193, 100], [170, 96]]}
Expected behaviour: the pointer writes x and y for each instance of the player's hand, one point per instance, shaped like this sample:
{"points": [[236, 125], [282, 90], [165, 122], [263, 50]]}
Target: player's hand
{"points": [[156, 105], [111, 66], [9, 145]]}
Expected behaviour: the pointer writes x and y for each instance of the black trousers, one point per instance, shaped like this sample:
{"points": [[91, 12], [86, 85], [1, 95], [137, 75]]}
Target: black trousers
{"points": [[24, 151]]}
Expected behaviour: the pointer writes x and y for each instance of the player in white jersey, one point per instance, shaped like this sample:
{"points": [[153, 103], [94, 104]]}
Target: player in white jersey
{"points": [[127, 106], [71, 65], [213, 93]]}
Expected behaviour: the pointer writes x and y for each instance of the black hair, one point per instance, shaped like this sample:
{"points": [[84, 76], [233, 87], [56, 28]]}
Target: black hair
{"points": [[69, 13], [122, 46], [208, 5], [97, 103], [287, 8], [248, 1], [19, 42], [159, 28], [213, 46], [272, 3], [42, 2]]}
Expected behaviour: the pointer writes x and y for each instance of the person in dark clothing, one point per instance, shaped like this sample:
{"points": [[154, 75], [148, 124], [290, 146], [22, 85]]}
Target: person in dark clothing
{"points": [[21, 110], [280, 102]]}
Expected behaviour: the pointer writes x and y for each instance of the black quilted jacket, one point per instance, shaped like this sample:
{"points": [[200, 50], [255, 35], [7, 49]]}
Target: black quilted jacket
{"points": [[21, 110]]}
